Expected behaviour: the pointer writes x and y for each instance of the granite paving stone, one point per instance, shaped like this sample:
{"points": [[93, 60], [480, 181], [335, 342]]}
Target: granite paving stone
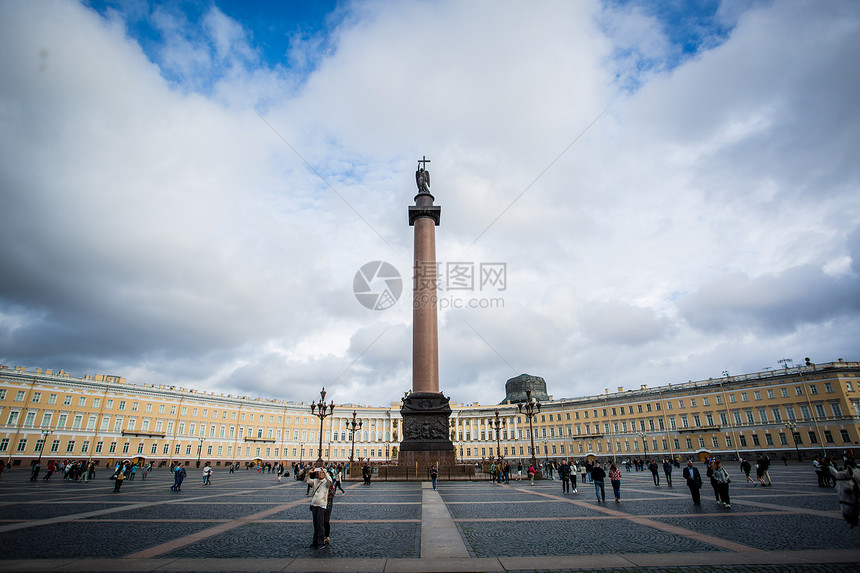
{"points": [[487, 539], [775, 532], [89, 539], [292, 540]]}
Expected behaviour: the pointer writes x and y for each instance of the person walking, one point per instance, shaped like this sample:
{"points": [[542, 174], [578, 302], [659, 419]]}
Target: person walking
{"points": [[655, 473], [338, 479], [667, 471], [746, 468], [34, 475], [615, 480], [759, 471], [572, 476], [563, 470], [694, 481], [714, 484], [597, 477], [583, 472], [532, 472], [434, 475], [320, 481], [207, 474], [721, 476], [118, 478]]}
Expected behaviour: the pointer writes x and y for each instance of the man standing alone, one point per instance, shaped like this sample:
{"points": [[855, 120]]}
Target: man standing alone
{"points": [[320, 483], [694, 481]]}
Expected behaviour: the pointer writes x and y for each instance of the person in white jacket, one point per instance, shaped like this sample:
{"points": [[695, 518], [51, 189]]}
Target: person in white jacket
{"points": [[319, 482]]}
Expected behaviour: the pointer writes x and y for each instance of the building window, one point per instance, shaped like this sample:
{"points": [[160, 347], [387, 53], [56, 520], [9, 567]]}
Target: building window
{"points": [[719, 399], [844, 435], [837, 409], [19, 396], [140, 448], [813, 439], [813, 389], [154, 449], [70, 447], [728, 441], [798, 390], [692, 402], [783, 439], [784, 392], [768, 439], [82, 401], [22, 444], [743, 440], [99, 446], [677, 444], [85, 446], [67, 401], [112, 448], [744, 397], [732, 399], [757, 395], [828, 436], [52, 399], [755, 439], [777, 417], [770, 394], [55, 446], [36, 397], [689, 444]]}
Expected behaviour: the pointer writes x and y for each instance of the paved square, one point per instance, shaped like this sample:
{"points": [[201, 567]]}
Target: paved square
{"points": [[249, 522]]}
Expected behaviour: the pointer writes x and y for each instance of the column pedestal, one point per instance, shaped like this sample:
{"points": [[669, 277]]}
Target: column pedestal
{"points": [[426, 431]]}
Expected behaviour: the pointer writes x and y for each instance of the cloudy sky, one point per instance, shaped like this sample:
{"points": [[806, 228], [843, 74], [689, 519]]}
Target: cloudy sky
{"points": [[188, 190]]}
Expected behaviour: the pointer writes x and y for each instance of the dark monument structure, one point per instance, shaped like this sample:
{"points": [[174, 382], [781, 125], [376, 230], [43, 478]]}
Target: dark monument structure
{"points": [[515, 389], [425, 411]]}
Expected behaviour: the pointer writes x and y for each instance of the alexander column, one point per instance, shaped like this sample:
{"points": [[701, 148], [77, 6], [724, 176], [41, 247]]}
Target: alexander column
{"points": [[425, 410]]}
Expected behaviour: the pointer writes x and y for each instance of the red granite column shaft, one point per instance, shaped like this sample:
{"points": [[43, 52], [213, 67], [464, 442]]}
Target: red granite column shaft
{"points": [[425, 336]]}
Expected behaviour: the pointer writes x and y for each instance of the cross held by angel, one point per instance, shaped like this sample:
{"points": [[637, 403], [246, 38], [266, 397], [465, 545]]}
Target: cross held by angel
{"points": [[422, 176]]}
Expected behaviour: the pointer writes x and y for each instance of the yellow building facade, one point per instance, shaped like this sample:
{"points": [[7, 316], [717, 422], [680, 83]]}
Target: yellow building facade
{"points": [[808, 410]]}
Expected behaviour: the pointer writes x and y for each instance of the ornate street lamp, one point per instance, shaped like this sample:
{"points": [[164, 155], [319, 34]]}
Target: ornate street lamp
{"points": [[45, 434], [644, 443], [199, 450], [353, 426], [497, 424], [530, 409], [793, 427], [321, 411]]}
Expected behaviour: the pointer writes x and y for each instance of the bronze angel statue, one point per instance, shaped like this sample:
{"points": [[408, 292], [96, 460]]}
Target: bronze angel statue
{"points": [[422, 178]]}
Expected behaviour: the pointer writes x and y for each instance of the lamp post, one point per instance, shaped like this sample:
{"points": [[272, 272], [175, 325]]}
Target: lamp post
{"points": [[199, 450], [644, 443], [793, 427], [324, 410], [45, 434], [531, 408], [353, 426], [497, 424], [546, 450]]}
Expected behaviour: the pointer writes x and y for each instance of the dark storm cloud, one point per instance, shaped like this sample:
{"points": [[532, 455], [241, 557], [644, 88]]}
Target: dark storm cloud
{"points": [[773, 303]]}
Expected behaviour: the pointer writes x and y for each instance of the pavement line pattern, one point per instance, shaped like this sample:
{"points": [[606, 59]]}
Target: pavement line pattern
{"points": [[440, 537], [107, 511], [174, 544], [162, 548], [675, 530]]}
